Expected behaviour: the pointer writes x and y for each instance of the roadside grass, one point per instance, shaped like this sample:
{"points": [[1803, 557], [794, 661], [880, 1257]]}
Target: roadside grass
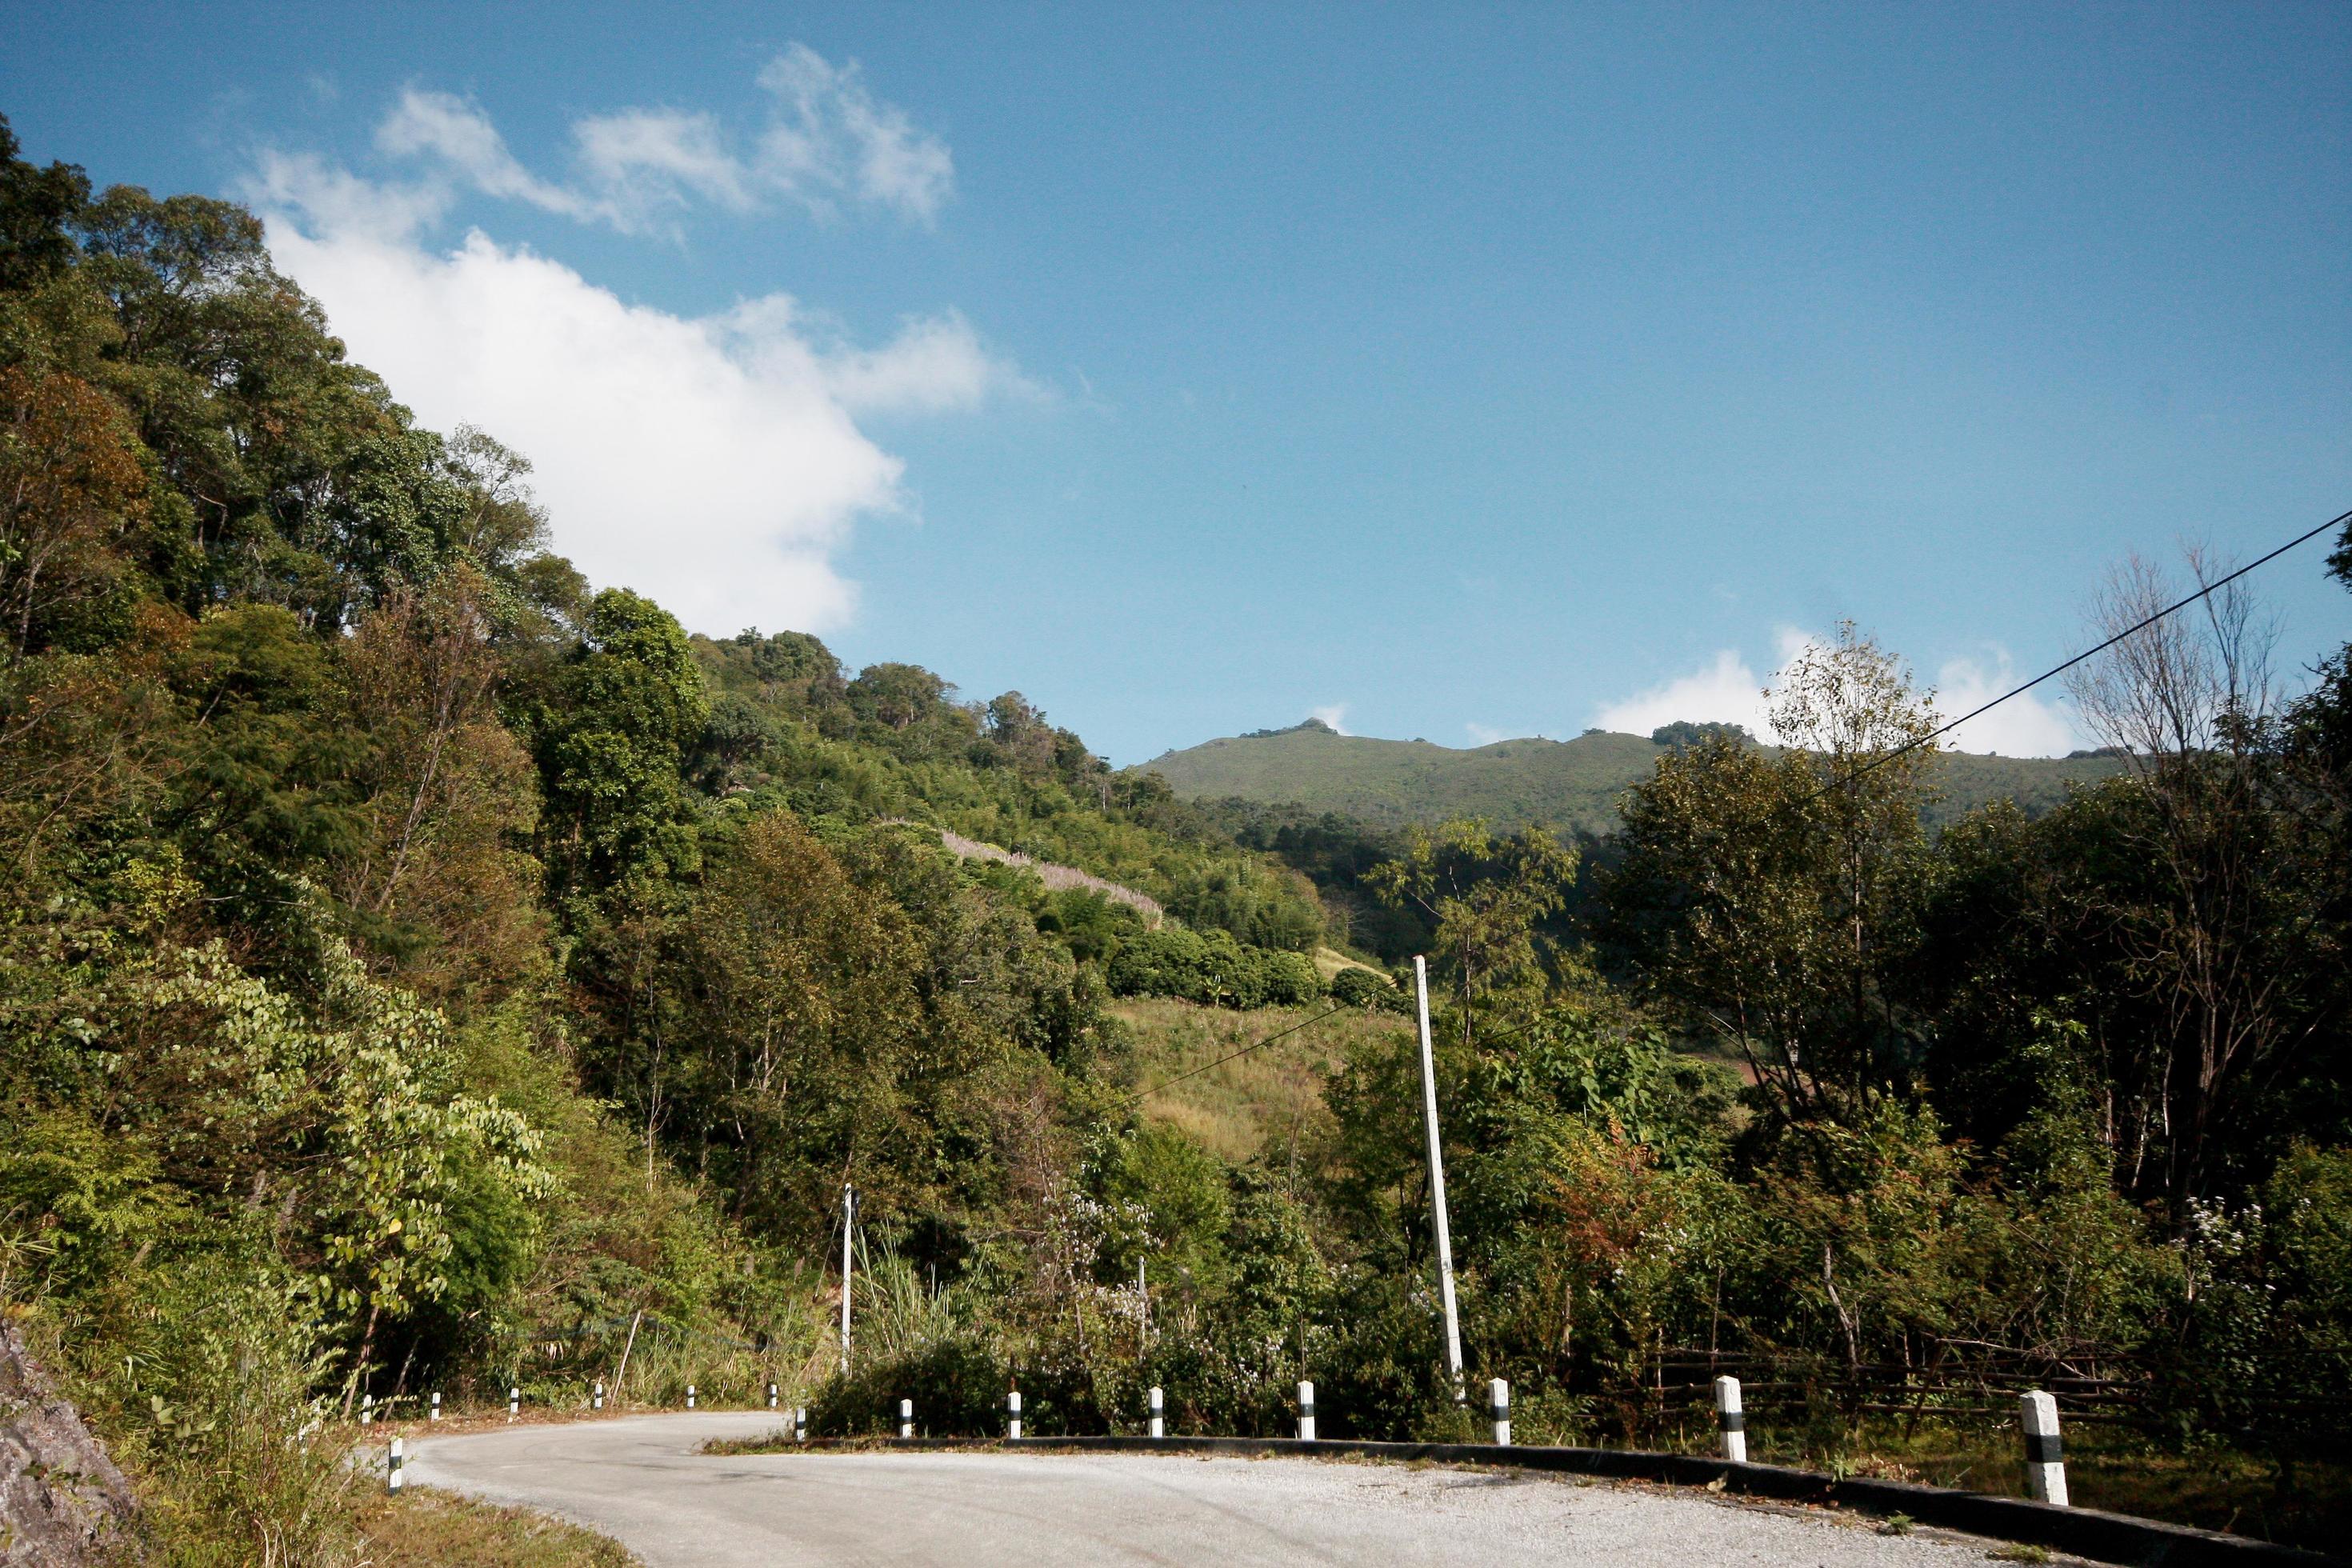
{"points": [[2302, 1503], [425, 1527], [1261, 1106]]}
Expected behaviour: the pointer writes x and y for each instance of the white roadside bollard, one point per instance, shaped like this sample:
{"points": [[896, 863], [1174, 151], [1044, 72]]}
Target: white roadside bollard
{"points": [[906, 1419], [367, 1409], [689, 1397], [2045, 1461], [1498, 1409], [1730, 1421], [391, 1472], [771, 1396], [514, 1403], [436, 1404], [800, 1423], [1013, 1416], [1158, 1428], [596, 1402], [1306, 1412]]}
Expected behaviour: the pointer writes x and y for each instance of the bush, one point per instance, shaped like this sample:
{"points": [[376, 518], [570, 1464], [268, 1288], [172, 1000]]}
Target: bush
{"points": [[1214, 970], [1361, 988]]}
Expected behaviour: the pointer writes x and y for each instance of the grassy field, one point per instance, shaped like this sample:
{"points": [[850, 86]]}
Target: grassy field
{"points": [[1265, 1103], [426, 1528], [1567, 784]]}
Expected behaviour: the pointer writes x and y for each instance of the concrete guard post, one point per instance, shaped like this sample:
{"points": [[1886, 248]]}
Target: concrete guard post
{"points": [[1730, 1420], [1306, 1412], [906, 1419], [367, 1409], [391, 1470], [514, 1402], [800, 1423], [1013, 1416], [689, 1397], [2045, 1461], [436, 1404], [596, 1400], [1498, 1410], [771, 1396], [1158, 1428]]}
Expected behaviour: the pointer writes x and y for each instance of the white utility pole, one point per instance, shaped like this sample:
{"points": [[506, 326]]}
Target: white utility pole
{"points": [[848, 1224], [1437, 1183]]}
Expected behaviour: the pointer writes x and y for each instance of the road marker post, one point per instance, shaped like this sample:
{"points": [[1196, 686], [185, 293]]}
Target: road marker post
{"points": [[596, 1402], [689, 1397], [1306, 1412], [1498, 1410], [2046, 1460], [1013, 1416], [392, 1474], [367, 1409], [800, 1423], [1441, 1231], [1158, 1428], [436, 1404], [1730, 1421], [906, 1419], [514, 1402], [771, 1396]]}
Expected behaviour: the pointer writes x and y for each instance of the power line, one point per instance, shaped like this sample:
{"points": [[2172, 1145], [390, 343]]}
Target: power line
{"points": [[2054, 670], [1982, 709], [2058, 670], [1260, 1045]]}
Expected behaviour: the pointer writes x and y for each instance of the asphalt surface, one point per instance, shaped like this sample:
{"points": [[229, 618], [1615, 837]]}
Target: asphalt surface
{"points": [[642, 1482]]}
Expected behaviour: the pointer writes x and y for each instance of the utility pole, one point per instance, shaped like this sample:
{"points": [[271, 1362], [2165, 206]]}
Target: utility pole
{"points": [[848, 1226], [1437, 1183]]}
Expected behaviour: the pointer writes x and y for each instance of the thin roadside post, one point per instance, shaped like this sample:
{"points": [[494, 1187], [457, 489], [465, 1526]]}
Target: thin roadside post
{"points": [[848, 1223], [1437, 1182]]}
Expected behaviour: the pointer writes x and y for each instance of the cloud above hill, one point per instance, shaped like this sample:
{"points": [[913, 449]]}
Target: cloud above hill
{"points": [[1727, 689], [828, 145], [714, 462]]}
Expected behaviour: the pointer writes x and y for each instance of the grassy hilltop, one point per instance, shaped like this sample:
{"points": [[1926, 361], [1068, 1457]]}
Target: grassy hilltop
{"points": [[1570, 784]]}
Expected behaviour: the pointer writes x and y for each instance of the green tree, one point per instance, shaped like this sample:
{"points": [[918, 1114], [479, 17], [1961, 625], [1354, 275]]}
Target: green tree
{"points": [[1771, 898], [1487, 897]]}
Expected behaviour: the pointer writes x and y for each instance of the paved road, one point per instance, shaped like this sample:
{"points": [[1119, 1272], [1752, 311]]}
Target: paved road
{"points": [[641, 1481]]}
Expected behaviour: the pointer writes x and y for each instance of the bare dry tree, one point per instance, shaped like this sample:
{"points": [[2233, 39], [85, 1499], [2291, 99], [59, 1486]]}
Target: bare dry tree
{"points": [[2191, 703]]}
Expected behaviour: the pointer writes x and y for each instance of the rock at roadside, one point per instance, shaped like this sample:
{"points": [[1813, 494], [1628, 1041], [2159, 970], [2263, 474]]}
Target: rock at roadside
{"points": [[62, 1501]]}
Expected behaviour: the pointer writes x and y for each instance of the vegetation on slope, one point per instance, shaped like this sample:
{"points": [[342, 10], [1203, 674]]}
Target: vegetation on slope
{"points": [[1573, 785]]}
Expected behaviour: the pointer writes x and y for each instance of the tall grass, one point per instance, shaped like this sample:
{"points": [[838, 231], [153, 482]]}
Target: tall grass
{"points": [[1262, 1106]]}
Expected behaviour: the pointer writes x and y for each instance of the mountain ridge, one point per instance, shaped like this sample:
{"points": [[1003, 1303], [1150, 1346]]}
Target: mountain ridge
{"points": [[1567, 784]]}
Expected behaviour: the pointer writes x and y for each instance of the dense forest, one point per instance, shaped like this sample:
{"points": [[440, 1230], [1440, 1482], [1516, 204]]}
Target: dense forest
{"points": [[420, 967]]}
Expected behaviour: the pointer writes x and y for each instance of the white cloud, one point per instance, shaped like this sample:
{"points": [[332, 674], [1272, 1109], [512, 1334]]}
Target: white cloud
{"points": [[935, 363], [1728, 690], [834, 137], [647, 158], [442, 126], [2023, 726], [1336, 715], [714, 464], [829, 141]]}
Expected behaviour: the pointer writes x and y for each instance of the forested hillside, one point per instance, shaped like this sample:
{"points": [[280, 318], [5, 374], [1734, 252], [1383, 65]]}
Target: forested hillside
{"points": [[1570, 786], [420, 968]]}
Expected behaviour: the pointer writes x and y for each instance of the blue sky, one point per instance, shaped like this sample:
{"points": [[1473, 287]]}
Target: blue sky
{"points": [[1458, 372]]}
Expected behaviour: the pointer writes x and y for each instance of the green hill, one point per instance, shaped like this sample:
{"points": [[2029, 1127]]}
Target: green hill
{"points": [[1566, 783]]}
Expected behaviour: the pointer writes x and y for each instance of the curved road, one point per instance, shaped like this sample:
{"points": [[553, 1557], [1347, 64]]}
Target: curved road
{"points": [[641, 1481]]}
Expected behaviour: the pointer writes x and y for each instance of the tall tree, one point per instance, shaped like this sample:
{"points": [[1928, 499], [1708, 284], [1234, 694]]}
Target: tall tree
{"points": [[1769, 898]]}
